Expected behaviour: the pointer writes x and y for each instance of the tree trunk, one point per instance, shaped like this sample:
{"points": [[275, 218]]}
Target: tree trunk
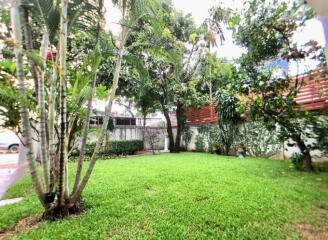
{"points": [[51, 125], [29, 48], [144, 126], [42, 112], [169, 130], [26, 127], [111, 96], [179, 116], [84, 136], [72, 129], [62, 178], [305, 153]]}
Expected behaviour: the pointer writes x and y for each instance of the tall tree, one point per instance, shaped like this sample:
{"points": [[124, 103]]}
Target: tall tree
{"points": [[172, 51], [131, 12], [52, 188], [21, 86], [265, 29]]}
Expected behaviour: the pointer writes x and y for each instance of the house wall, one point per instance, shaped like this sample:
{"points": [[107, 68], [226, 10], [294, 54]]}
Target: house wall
{"points": [[133, 133], [288, 148], [136, 132]]}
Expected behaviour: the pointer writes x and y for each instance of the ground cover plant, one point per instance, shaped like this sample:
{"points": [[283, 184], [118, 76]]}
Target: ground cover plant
{"points": [[184, 196]]}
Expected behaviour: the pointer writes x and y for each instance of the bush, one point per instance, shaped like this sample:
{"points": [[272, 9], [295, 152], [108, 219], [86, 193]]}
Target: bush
{"points": [[114, 148], [200, 144], [186, 136], [89, 147], [258, 141], [204, 138], [125, 147], [298, 161]]}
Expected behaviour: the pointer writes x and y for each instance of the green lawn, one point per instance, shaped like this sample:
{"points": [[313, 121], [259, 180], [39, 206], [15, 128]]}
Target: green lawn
{"points": [[185, 196]]}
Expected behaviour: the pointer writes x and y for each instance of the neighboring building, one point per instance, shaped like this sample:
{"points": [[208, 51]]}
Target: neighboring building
{"points": [[205, 115], [312, 96], [127, 123]]}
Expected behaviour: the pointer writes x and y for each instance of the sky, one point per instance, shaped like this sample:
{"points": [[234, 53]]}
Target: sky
{"points": [[199, 9]]}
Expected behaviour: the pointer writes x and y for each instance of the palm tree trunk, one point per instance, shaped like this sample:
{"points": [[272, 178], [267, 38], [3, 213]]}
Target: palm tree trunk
{"points": [[51, 125], [24, 114], [42, 112], [63, 175], [84, 136], [29, 48], [111, 96]]}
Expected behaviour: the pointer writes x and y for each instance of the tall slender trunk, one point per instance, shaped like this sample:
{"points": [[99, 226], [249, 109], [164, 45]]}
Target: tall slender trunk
{"points": [[63, 171], [144, 126], [169, 130], [111, 96], [51, 124], [24, 114], [42, 112], [29, 48], [84, 136], [179, 115], [72, 128]]}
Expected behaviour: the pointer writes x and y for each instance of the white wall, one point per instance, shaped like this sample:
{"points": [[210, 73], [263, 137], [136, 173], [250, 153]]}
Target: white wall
{"points": [[132, 133]]}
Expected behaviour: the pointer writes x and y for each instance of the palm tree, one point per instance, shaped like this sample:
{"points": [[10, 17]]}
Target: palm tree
{"points": [[213, 26], [131, 11], [21, 86], [43, 11], [57, 19]]}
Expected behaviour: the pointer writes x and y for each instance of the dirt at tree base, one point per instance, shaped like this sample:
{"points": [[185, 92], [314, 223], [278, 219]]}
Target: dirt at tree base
{"points": [[59, 212], [24, 225], [34, 221]]}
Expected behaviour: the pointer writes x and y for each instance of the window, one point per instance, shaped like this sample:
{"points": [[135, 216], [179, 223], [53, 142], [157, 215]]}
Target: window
{"points": [[125, 121], [96, 120]]}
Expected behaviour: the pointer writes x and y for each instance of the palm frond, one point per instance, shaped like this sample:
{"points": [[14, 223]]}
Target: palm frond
{"points": [[45, 12], [82, 14]]}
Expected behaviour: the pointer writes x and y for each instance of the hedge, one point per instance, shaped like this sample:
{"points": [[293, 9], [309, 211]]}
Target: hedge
{"points": [[125, 147], [114, 148]]}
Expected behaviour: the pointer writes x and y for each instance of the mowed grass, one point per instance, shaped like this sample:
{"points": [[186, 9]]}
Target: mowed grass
{"points": [[184, 196]]}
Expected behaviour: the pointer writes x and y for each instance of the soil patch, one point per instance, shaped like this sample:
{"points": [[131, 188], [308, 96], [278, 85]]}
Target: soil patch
{"points": [[308, 233], [22, 226]]}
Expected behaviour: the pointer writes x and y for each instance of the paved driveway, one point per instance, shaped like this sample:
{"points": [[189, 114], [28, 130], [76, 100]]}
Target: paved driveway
{"points": [[8, 171]]}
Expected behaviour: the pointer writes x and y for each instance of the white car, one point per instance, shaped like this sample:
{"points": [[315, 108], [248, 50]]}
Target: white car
{"points": [[9, 142]]}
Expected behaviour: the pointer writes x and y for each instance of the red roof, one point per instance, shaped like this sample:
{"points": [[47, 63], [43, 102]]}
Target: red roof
{"points": [[204, 115], [313, 94]]}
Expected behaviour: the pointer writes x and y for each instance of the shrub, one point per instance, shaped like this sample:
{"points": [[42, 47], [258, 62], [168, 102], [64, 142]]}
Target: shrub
{"points": [[298, 161], [89, 147], [125, 147], [186, 136], [200, 144], [204, 138], [152, 137], [114, 148], [258, 141]]}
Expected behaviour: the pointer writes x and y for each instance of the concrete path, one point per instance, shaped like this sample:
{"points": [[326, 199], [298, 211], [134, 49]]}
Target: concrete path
{"points": [[8, 171], [10, 201]]}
